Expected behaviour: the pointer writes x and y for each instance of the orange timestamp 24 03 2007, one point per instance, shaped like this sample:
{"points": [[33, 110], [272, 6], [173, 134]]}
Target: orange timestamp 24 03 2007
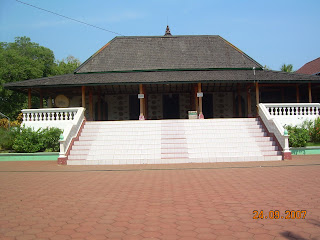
{"points": [[276, 214]]}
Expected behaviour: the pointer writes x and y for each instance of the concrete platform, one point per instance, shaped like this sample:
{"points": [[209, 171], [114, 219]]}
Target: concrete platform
{"points": [[41, 200]]}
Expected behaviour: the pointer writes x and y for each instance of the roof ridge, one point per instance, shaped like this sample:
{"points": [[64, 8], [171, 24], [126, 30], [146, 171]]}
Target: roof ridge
{"points": [[167, 36], [93, 55], [312, 60], [308, 67], [241, 52]]}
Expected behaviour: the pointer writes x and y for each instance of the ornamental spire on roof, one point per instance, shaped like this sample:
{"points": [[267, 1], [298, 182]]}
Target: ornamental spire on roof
{"points": [[168, 33]]}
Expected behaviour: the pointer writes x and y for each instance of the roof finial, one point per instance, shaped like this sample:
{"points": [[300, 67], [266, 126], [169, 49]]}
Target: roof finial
{"points": [[168, 33]]}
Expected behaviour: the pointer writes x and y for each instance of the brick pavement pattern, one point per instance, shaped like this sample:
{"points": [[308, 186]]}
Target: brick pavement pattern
{"points": [[40, 200]]}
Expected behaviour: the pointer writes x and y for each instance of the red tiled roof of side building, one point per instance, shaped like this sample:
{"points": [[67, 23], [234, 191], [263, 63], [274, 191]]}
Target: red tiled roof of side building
{"points": [[312, 67]]}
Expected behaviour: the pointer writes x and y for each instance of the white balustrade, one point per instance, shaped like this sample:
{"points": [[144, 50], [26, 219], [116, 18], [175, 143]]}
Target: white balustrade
{"points": [[293, 109], [49, 114], [293, 113], [273, 126], [71, 132], [277, 115]]}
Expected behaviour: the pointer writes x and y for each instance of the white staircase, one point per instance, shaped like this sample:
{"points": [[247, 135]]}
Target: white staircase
{"points": [[173, 141]]}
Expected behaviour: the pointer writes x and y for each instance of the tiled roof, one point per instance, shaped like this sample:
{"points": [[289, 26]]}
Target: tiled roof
{"points": [[147, 77], [312, 67], [166, 59], [167, 52]]}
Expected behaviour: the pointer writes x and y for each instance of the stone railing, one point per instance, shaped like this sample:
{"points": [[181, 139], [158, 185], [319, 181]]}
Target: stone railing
{"points": [[274, 127], [68, 119], [276, 116], [293, 113], [71, 132], [49, 114]]}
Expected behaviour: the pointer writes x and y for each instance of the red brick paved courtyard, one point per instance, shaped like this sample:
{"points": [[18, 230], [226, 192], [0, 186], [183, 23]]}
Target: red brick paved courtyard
{"points": [[40, 200]]}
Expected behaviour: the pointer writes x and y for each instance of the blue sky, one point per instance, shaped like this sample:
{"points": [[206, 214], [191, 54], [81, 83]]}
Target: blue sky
{"points": [[272, 32]]}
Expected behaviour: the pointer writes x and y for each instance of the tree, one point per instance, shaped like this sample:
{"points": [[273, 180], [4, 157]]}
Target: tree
{"points": [[287, 68], [265, 67], [66, 66], [22, 60]]}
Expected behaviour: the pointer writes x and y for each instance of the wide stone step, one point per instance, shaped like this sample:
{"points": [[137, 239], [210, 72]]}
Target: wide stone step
{"points": [[201, 124], [173, 160], [268, 145], [207, 132], [135, 154], [130, 139], [173, 141]]}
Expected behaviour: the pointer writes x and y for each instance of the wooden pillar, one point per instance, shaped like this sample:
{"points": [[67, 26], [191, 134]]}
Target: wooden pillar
{"points": [[90, 104], [145, 103], [257, 97], [99, 104], [29, 98], [83, 89], [310, 93], [239, 100], [41, 99], [297, 93], [200, 103], [141, 117], [249, 100]]}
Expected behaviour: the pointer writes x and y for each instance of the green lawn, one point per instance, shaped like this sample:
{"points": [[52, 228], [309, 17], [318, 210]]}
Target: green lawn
{"points": [[313, 144]]}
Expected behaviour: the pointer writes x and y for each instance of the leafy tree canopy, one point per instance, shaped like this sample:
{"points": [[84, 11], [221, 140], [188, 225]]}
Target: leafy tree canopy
{"points": [[22, 60], [66, 66], [266, 67], [287, 68]]}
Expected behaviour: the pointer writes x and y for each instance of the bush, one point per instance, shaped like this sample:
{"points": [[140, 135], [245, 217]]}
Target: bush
{"points": [[7, 137], [298, 136], [4, 122], [315, 131], [30, 141], [19, 119], [50, 139]]}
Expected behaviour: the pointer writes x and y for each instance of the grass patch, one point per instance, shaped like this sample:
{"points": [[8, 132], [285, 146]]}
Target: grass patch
{"points": [[311, 144], [3, 150]]}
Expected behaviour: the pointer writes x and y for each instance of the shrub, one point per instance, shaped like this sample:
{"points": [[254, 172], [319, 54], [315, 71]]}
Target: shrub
{"points": [[19, 118], [30, 141], [7, 137], [4, 123], [50, 139], [298, 136], [315, 131]]}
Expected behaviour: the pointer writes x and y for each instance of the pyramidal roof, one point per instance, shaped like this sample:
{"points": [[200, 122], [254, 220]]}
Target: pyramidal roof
{"points": [[169, 52]]}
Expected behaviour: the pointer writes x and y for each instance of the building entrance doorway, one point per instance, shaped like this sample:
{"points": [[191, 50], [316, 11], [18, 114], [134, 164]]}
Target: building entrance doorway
{"points": [[171, 108], [207, 107], [134, 107]]}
